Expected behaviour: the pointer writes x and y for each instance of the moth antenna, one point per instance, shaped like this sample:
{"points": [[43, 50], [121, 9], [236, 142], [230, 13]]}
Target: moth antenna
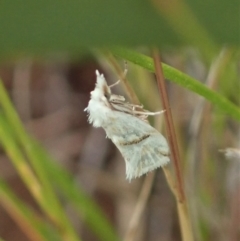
{"points": [[124, 75], [116, 83]]}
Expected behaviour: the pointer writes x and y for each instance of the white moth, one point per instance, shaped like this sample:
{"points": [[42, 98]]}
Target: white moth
{"points": [[143, 147]]}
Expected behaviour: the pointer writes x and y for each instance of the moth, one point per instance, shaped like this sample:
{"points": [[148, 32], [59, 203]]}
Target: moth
{"points": [[143, 147]]}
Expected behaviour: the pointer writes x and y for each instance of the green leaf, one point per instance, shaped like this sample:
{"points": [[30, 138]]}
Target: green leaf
{"points": [[181, 79], [37, 27]]}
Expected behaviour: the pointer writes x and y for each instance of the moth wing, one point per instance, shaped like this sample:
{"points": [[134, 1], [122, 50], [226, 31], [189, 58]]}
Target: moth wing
{"points": [[143, 147], [144, 156]]}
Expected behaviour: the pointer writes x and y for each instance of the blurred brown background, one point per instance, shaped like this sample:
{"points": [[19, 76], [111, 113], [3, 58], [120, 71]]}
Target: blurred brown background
{"points": [[50, 98]]}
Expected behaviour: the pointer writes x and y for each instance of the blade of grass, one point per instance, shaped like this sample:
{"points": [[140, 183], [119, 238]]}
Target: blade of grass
{"points": [[31, 224], [56, 175], [48, 199], [181, 79], [177, 13], [18, 160], [84, 205], [90, 212], [14, 124], [61, 179]]}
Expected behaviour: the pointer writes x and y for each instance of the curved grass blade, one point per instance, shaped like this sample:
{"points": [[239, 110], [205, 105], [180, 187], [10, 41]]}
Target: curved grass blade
{"points": [[35, 228], [53, 174], [18, 146], [181, 79]]}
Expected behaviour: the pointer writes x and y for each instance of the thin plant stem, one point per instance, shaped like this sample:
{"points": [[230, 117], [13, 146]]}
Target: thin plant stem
{"points": [[169, 125], [181, 79], [148, 181], [201, 111], [185, 225], [140, 207]]}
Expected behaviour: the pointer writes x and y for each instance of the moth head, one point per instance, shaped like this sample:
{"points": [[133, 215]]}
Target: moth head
{"points": [[101, 92]]}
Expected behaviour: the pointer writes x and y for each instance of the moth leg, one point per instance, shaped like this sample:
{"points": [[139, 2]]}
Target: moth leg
{"points": [[134, 107], [155, 113], [116, 83], [148, 112]]}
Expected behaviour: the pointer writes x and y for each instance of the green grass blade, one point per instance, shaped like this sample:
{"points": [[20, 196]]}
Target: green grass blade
{"points": [[181, 79], [30, 223], [39, 184], [17, 157], [90, 212], [19, 161], [54, 175]]}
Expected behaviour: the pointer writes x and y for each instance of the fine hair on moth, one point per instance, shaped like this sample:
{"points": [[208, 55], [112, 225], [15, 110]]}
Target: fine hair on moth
{"points": [[142, 146]]}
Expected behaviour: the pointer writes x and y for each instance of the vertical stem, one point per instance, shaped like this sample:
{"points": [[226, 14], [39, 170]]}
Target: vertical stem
{"points": [[169, 125], [140, 207], [185, 225]]}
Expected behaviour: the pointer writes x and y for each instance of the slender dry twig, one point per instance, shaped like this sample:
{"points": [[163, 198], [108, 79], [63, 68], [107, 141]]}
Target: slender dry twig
{"points": [[185, 224], [200, 115], [140, 207], [169, 125], [148, 182], [233, 155]]}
